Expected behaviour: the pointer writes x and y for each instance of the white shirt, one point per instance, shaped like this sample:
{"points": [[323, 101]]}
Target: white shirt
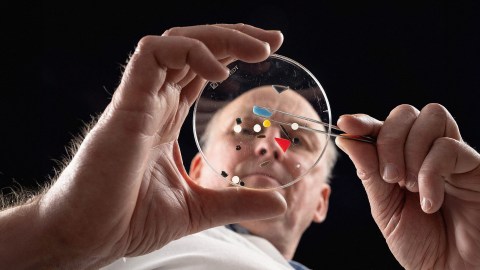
{"points": [[216, 248]]}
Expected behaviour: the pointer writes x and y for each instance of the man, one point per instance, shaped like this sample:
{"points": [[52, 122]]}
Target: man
{"points": [[269, 243], [125, 193]]}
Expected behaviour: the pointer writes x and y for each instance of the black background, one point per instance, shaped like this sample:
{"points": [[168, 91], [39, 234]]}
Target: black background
{"points": [[62, 62]]}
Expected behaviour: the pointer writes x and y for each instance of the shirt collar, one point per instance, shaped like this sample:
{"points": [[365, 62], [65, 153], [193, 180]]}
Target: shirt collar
{"points": [[241, 230]]}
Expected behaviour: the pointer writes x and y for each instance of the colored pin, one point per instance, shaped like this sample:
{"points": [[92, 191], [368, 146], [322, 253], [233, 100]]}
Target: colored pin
{"points": [[237, 128], [260, 111], [236, 179], [267, 123], [283, 143]]}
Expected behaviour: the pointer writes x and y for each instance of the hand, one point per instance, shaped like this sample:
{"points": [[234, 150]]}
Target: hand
{"points": [[126, 191], [423, 185]]}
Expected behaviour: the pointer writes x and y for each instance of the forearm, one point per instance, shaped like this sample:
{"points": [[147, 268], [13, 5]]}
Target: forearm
{"points": [[27, 242], [23, 242]]}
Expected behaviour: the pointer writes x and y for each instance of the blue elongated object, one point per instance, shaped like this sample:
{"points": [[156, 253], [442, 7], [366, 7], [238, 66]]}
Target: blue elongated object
{"points": [[261, 111]]}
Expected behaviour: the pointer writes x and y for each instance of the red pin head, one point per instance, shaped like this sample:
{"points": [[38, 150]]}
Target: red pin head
{"points": [[283, 143]]}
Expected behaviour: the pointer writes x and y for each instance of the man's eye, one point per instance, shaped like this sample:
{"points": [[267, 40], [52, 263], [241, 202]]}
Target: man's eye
{"points": [[296, 141], [248, 131]]}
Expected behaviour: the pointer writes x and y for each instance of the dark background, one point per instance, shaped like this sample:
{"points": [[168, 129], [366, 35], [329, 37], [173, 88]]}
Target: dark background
{"points": [[62, 62]]}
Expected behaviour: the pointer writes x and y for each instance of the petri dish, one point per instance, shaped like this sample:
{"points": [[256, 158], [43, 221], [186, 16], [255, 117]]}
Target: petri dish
{"points": [[265, 127]]}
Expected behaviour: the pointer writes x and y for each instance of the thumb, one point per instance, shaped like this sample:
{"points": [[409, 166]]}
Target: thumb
{"points": [[232, 204], [237, 204], [365, 159]]}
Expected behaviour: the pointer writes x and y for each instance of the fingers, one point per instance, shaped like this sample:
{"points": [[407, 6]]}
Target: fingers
{"points": [[150, 105], [359, 124], [273, 37], [147, 69], [182, 53], [407, 141], [452, 164], [233, 40], [433, 122], [406, 138], [391, 142], [379, 192]]}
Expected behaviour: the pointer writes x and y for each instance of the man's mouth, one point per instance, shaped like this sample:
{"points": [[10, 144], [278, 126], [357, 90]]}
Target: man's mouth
{"points": [[261, 180], [253, 175]]}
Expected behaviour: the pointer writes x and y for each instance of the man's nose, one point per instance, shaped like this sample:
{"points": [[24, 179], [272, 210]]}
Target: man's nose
{"points": [[267, 147]]}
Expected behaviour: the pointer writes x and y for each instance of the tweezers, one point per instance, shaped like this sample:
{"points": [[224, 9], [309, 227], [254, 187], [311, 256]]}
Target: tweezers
{"points": [[265, 112]]}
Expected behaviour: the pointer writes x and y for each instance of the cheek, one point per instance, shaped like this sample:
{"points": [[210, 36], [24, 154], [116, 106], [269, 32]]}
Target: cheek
{"points": [[302, 210], [305, 194], [299, 162], [230, 150], [221, 157]]}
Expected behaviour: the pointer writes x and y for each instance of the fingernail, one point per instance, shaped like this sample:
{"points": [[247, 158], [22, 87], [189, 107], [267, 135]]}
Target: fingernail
{"points": [[361, 174], [411, 184], [426, 204], [267, 45], [339, 142], [390, 172], [411, 180]]}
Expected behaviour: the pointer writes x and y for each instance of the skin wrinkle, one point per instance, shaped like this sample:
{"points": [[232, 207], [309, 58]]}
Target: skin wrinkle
{"points": [[134, 246], [430, 246], [394, 221], [179, 118], [172, 194], [450, 243], [385, 217], [388, 198], [476, 226], [187, 78], [144, 115], [149, 240], [140, 52], [415, 250], [174, 106], [170, 191], [178, 194]]}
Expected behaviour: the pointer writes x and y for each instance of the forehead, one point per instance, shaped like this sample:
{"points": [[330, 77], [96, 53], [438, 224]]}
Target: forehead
{"points": [[266, 96]]}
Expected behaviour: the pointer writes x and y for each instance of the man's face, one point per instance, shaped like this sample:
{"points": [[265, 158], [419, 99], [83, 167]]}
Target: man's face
{"points": [[259, 161]]}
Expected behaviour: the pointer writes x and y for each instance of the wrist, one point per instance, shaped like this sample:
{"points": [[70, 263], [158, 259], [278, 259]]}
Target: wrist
{"points": [[72, 238]]}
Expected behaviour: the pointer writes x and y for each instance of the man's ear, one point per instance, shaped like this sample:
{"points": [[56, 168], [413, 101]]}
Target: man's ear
{"points": [[196, 167], [322, 207]]}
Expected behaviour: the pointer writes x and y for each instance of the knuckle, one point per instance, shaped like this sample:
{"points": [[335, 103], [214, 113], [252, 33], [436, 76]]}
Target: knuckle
{"points": [[390, 140], [196, 44], [174, 31], [239, 26], [406, 110], [445, 143], [145, 42], [366, 175], [436, 110]]}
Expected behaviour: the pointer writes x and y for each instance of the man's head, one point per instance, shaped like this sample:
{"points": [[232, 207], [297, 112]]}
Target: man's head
{"points": [[307, 199]]}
